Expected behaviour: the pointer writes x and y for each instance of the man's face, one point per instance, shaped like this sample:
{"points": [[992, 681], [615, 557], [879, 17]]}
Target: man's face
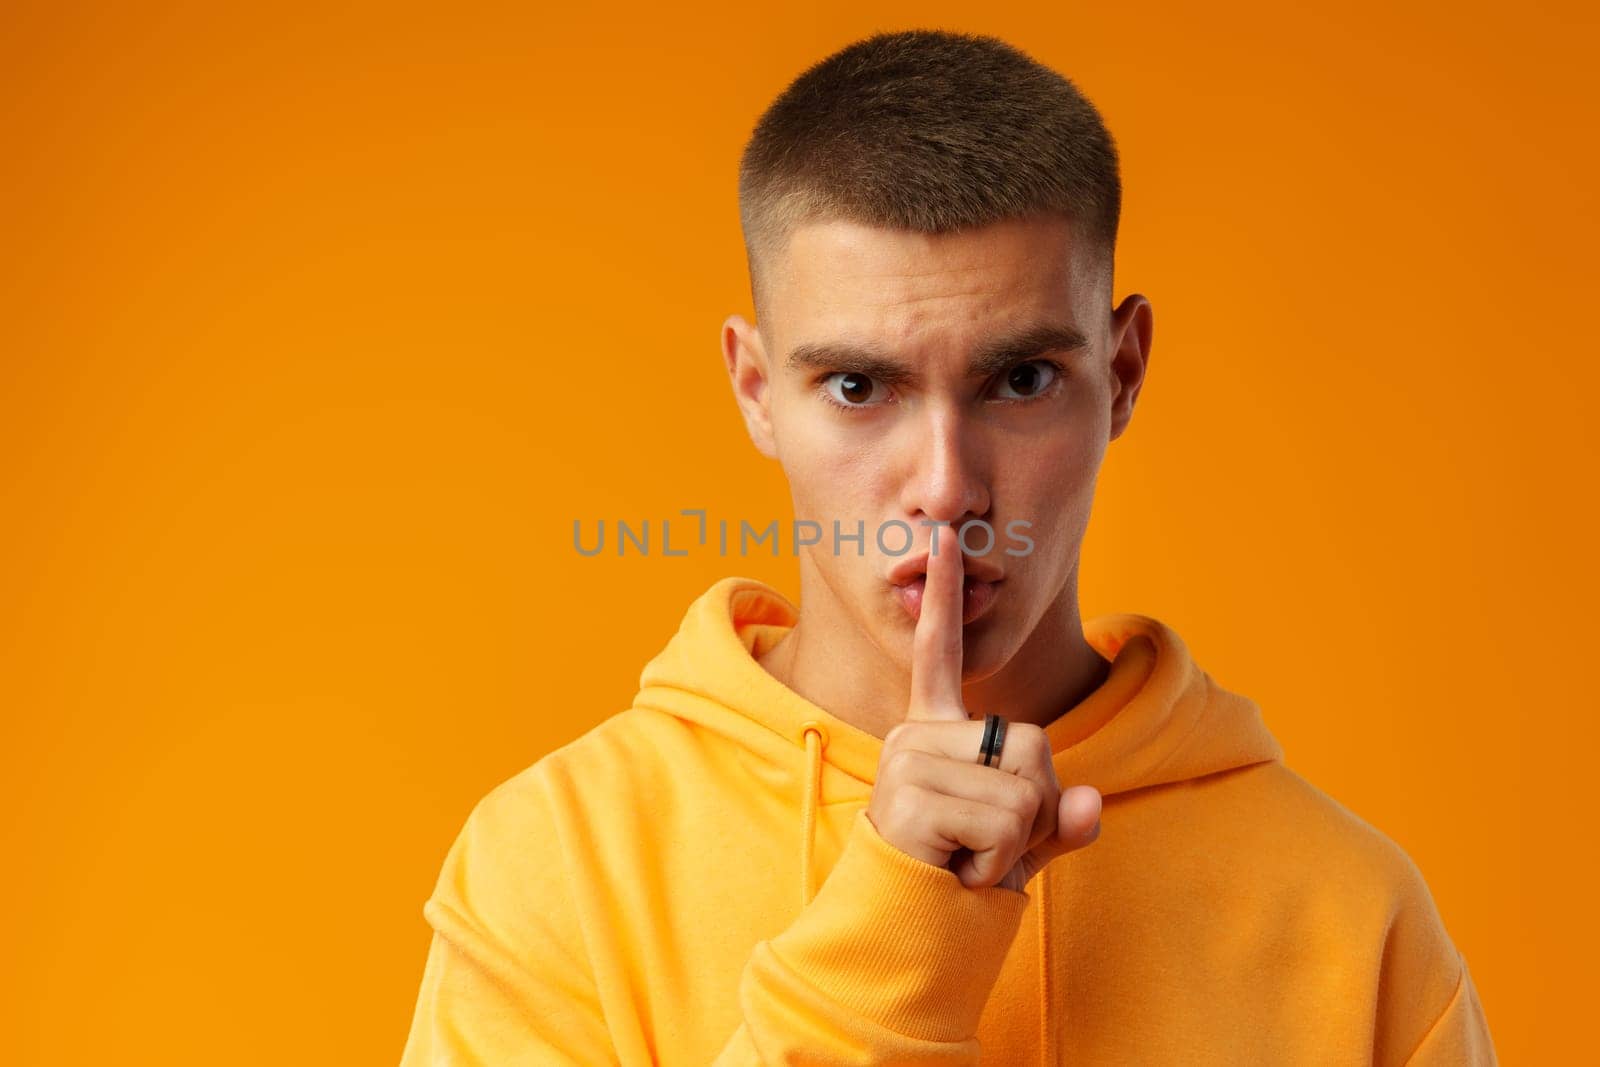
{"points": [[940, 378]]}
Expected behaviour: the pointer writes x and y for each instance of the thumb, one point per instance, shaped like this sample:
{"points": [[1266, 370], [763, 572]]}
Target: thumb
{"points": [[1077, 825]]}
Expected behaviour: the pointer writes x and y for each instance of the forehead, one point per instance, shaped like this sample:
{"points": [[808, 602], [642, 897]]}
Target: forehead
{"points": [[838, 277]]}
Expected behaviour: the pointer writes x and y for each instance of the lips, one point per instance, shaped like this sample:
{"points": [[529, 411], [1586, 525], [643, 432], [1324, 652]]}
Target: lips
{"points": [[910, 568], [979, 585], [977, 596]]}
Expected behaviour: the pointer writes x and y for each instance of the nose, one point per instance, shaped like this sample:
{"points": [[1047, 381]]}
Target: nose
{"points": [[947, 479]]}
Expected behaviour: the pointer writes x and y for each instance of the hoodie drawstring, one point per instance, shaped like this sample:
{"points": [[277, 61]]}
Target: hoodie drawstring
{"points": [[1047, 1019], [815, 735]]}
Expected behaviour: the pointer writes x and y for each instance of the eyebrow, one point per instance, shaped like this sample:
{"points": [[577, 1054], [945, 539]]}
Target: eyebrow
{"points": [[991, 357]]}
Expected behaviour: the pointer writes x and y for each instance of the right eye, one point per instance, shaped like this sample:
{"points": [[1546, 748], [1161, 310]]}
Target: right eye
{"points": [[852, 389]]}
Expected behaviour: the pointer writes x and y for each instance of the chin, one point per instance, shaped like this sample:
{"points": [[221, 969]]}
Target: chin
{"points": [[990, 644]]}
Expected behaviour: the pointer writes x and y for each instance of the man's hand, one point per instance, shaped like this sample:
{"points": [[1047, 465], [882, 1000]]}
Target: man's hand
{"points": [[934, 800]]}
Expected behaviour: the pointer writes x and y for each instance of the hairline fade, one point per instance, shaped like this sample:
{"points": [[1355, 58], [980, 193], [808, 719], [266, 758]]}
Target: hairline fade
{"points": [[932, 131]]}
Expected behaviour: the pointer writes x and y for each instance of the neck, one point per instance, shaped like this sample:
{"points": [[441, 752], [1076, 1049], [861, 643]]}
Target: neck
{"points": [[830, 660]]}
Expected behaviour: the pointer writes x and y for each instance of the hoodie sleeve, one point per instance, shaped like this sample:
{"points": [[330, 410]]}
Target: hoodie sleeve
{"points": [[892, 961], [507, 979], [1460, 1035], [1429, 1014]]}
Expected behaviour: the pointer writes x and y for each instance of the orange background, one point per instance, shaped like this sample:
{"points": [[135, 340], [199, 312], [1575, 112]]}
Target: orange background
{"points": [[321, 328]]}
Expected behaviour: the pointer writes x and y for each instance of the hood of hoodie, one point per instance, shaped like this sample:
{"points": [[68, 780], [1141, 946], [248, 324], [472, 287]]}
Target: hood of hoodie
{"points": [[1157, 718]]}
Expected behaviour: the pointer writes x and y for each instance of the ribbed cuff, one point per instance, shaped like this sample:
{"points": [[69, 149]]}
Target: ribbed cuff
{"points": [[902, 941]]}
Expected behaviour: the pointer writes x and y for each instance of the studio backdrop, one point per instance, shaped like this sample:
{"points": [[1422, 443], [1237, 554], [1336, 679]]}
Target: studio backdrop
{"points": [[324, 325]]}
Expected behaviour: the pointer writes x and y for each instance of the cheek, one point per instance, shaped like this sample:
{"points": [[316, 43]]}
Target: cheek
{"points": [[829, 470], [1051, 483]]}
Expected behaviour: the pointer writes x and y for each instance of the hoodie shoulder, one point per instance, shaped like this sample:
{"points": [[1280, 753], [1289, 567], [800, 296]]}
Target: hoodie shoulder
{"points": [[1367, 855], [1420, 971], [618, 750], [1370, 872]]}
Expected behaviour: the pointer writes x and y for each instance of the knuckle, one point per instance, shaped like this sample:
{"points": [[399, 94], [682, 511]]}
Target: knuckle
{"points": [[1027, 797], [1011, 833], [897, 765], [904, 805], [1021, 826], [1028, 736]]}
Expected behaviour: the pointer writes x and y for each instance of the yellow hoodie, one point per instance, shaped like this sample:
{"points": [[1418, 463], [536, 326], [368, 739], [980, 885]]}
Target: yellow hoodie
{"points": [[695, 881]]}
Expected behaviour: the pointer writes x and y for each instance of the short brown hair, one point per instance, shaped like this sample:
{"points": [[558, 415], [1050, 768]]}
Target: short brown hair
{"points": [[927, 130]]}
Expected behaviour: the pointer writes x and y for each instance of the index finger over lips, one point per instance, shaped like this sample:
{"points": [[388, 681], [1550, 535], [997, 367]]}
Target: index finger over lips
{"points": [[936, 645]]}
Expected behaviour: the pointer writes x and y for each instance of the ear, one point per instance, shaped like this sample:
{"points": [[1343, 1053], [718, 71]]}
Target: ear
{"points": [[1131, 327], [746, 360]]}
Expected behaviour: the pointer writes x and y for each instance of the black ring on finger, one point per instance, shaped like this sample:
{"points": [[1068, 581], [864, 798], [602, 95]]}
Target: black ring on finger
{"points": [[994, 730]]}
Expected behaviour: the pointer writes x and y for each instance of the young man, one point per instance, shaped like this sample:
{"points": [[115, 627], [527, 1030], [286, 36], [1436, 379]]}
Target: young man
{"points": [[804, 843]]}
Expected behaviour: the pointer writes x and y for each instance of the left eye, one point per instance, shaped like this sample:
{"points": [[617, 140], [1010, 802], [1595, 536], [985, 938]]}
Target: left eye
{"points": [[852, 389], [1027, 379]]}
